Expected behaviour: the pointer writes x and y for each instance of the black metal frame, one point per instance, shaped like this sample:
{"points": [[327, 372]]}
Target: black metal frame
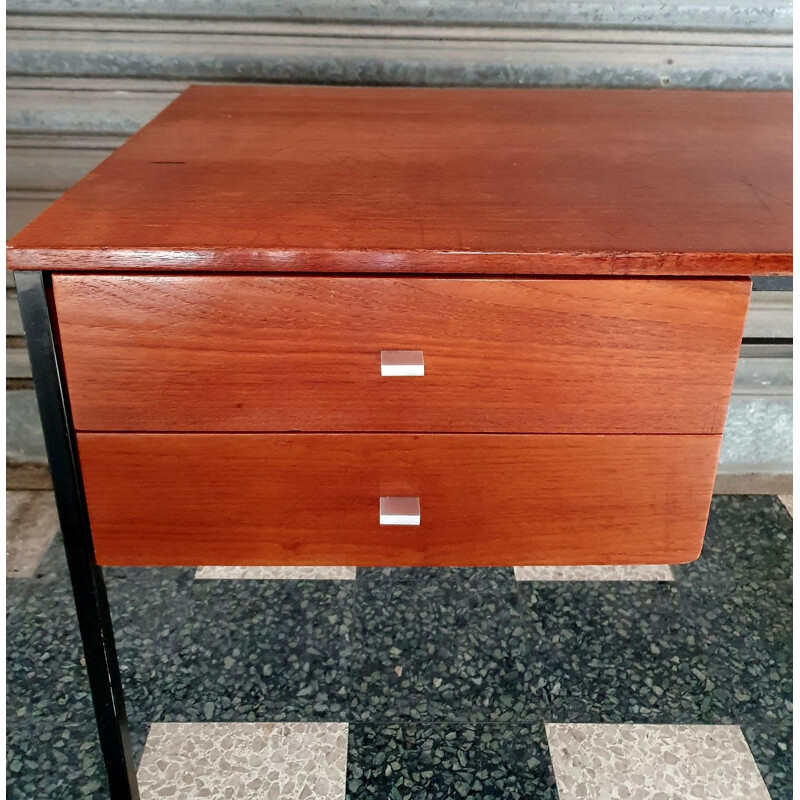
{"points": [[88, 587]]}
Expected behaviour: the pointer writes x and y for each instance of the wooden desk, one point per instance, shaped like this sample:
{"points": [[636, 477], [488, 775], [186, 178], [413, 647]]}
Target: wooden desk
{"points": [[298, 325]]}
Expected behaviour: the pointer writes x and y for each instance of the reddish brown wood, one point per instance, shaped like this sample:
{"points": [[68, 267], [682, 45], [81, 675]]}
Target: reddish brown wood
{"points": [[290, 178], [236, 353], [292, 499]]}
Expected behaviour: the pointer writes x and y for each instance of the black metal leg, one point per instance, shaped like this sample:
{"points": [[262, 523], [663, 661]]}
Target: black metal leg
{"points": [[91, 602]]}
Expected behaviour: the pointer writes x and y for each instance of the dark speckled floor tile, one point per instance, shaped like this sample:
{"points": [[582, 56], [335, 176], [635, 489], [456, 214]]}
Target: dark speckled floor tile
{"points": [[43, 659], [439, 762], [16, 589], [440, 650], [483, 578], [261, 650], [54, 762], [52, 748], [771, 746], [748, 538], [614, 653], [745, 631], [147, 609]]}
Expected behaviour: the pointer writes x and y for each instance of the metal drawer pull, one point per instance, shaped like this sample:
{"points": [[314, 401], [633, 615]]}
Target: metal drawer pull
{"points": [[400, 511], [397, 363]]}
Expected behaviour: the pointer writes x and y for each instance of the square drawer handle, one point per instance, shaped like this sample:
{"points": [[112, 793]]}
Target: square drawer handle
{"points": [[402, 363], [400, 511]]}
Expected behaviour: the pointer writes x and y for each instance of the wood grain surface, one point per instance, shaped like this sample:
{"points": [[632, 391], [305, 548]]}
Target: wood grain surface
{"points": [[237, 353], [526, 181], [312, 499]]}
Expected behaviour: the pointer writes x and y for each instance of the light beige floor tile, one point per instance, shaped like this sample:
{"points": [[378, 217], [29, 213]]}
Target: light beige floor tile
{"points": [[653, 762], [636, 572], [276, 573], [31, 523], [787, 500], [245, 760]]}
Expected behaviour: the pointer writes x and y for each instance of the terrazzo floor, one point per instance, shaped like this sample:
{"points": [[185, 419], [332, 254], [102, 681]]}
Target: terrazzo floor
{"points": [[655, 682]]}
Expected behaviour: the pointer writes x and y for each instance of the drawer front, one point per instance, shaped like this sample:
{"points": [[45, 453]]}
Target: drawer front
{"points": [[239, 353], [300, 499]]}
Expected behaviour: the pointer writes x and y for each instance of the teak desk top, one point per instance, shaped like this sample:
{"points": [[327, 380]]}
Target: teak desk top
{"points": [[548, 181]]}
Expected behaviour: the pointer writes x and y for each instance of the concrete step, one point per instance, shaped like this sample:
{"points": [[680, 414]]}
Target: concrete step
{"points": [[24, 440], [13, 318], [756, 455], [769, 315], [18, 367], [763, 376]]}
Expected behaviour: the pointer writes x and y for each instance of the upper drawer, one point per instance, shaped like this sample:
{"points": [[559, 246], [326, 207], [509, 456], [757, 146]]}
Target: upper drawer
{"points": [[246, 353]]}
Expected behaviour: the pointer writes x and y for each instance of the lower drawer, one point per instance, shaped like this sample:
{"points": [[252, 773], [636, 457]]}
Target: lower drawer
{"points": [[299, 499]]}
